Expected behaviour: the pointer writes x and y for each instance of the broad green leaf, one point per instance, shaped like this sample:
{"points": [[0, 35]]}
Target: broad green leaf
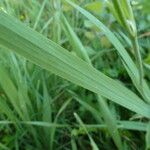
{"points": [[47, 54]]}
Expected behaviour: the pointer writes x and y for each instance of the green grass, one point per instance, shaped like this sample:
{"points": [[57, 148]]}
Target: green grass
{"points": [[74, 75]]}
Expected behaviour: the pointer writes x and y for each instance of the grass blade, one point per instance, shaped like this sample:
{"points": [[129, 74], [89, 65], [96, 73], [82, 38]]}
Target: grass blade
{"points": [[148, 137], [93, 144], [110, 122], [47, 54], [74, 40]]}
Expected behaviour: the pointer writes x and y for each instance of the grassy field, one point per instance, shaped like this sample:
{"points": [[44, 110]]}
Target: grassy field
{"points": [[74, 74]]}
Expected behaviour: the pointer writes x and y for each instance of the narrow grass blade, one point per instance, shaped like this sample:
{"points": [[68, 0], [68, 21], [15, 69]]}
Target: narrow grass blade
{"points": [[93, 144], [10, 90], [122, 125], [110, 122], [74, 40], [39, 15], [47, 109], [53, 130], [73, 144], [46, 24], [93, 111], [148, 137], [132, 125]]}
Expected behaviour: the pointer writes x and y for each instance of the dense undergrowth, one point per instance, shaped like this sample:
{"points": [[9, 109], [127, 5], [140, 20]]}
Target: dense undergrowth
{"points": [[74, 74]]}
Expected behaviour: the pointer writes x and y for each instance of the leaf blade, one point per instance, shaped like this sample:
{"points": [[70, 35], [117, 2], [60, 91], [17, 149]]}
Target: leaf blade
{"points": [[50, 56]]}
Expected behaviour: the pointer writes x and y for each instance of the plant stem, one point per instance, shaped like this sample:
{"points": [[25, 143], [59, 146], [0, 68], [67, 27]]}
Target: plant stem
{"points": [[122, 16], [133, 36], [138, 58]]}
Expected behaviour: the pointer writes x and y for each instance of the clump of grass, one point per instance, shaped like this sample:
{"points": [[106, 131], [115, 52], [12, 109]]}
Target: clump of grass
{"points": [[38, 104]]}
